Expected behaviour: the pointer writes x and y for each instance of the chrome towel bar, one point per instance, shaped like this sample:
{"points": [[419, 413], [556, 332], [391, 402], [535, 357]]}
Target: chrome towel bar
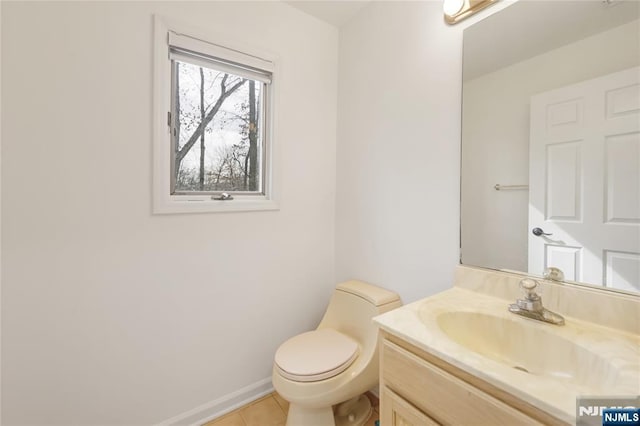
{"points": [[499, 187]]}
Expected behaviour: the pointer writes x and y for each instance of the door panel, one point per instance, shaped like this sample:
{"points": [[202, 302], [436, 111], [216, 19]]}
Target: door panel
{"points": [[564, 181], [564, 119], [622, 270], [623, 100], [623, 178], [566, 258]]}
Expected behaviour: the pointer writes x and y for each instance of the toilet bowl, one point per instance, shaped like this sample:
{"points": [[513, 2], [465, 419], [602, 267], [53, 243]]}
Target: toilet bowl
{"points": [[324, 373]]}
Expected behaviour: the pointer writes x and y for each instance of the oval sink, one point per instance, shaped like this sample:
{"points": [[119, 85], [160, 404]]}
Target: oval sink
{"points": [[530, 348]]}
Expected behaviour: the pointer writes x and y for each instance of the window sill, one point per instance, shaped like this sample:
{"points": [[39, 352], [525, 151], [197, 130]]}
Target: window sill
{"points": [[198, 204]]}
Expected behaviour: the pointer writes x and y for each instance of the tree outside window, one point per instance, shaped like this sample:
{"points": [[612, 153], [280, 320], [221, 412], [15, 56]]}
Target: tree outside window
{"points": [[217, 128]]}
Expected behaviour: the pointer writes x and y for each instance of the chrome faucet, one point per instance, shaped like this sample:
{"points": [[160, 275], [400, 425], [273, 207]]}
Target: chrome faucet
{"points": [[531, 305]]}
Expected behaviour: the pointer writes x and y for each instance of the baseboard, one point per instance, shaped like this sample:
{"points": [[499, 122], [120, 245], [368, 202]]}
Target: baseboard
{"points": [[221, 406]]}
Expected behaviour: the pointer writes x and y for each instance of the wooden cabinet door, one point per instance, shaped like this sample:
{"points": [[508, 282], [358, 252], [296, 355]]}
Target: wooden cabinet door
{"points": [[395, 411]]}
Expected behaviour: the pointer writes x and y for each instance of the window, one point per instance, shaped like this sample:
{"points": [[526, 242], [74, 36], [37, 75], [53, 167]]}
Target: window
{"points": [[213, 149]]}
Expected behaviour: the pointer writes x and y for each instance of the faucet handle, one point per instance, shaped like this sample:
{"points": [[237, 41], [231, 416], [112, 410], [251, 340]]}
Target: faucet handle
{"points": [[553, 273], [529, 286]]}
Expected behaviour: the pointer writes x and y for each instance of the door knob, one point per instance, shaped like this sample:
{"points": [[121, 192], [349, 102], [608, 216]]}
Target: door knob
{"points": [[538, 232]]}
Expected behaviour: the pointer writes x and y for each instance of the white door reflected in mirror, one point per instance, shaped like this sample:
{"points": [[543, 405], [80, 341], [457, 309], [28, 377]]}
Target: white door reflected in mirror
{"points": [[584, 181]]}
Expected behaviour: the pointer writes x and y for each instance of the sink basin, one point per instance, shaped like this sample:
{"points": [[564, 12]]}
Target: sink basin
{"points": [[531, 348]]}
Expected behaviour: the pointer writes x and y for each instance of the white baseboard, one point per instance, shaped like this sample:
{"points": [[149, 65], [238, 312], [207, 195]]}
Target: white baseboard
{"points": [[221, 406]]}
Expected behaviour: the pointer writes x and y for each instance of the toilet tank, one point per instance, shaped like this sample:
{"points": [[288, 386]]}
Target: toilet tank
{"points": [[352, 307]]}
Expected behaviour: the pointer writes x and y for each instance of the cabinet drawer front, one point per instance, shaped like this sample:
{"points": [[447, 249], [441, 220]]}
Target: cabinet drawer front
{"points": [[442, 396]]}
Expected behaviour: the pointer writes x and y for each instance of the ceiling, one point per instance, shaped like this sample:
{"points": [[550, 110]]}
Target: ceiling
{"points": [[334, 12]]}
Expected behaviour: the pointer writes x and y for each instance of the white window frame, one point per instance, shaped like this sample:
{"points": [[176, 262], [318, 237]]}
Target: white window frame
{"points": [[198, 41]]}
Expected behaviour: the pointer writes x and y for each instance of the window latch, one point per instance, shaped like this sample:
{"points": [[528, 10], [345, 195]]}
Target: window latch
{"points": [[222, 197]]}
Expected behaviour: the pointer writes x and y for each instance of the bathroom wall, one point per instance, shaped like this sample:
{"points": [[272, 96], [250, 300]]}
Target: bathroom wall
{"points": [[0, 218], [111, 315], [398, 173], [494, 223]]}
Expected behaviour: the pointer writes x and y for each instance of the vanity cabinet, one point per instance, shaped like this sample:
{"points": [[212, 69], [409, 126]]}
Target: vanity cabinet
{"points": [[418, 389]]}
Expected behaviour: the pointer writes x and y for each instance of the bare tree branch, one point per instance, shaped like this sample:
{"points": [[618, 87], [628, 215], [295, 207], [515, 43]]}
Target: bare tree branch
{"points": [[224, 94]]}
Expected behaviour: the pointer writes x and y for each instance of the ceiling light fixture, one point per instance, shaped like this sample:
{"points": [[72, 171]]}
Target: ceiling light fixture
{"points": [[457, 10]]}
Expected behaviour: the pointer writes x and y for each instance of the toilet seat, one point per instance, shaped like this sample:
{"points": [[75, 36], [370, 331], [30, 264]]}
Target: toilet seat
{"points": [[315, 355]]}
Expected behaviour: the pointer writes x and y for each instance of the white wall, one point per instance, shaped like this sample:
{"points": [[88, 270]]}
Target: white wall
{"points": [[496, 135], [0, 219], [111, 315], [397, 220]]}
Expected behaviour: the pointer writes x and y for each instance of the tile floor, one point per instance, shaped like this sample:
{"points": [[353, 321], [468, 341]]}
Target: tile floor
{"points": [[270, 410]]}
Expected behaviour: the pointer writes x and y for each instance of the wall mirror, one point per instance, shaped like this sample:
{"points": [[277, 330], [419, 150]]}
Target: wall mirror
{"points": [[551, 141]]}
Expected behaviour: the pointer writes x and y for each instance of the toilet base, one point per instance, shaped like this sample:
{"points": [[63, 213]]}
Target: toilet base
{"points": [[354, 412], [300, 416]]}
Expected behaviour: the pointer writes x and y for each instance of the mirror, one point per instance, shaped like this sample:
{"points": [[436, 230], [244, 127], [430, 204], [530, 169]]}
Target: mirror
{"points": [[551, 141]]}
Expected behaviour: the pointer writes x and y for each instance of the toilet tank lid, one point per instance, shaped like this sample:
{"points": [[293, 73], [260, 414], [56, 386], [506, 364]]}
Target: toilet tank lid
{"points": [[375, 295]]}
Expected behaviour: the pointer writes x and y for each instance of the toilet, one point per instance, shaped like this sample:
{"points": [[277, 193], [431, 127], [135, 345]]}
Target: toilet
{"points": [[324, 373]]}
